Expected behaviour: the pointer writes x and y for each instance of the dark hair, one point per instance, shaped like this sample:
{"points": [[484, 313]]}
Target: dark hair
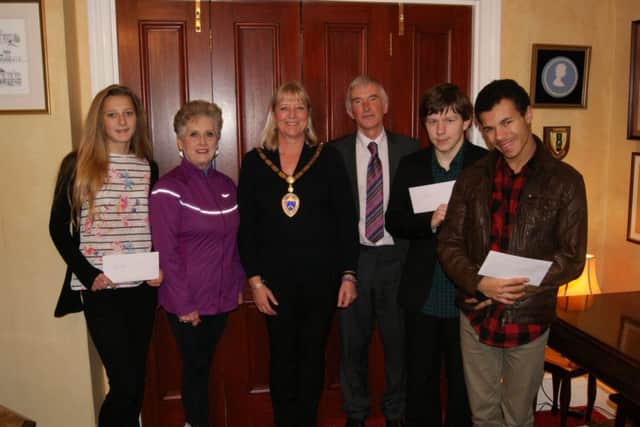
{"points": [[443, 97], [496, 91]]}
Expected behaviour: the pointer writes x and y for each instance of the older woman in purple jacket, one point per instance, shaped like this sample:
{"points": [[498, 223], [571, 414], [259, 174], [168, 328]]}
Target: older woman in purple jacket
{"points": [[194, 221]]}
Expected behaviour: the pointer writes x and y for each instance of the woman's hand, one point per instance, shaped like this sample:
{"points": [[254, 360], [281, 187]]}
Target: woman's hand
{"points": [[347, 293], [102, 282], [264, 298], [193, 318], [156, 282]]}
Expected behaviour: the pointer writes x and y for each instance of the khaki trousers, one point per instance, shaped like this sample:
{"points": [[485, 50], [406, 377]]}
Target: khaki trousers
{"points": [[501, 382]]}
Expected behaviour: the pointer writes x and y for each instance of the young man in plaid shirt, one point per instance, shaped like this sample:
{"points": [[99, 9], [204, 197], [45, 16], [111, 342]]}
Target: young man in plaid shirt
{"points": [[517, 200]]}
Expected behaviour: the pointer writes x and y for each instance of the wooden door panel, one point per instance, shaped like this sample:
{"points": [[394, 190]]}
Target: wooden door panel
{"points": [[342, 38], [341, 41], [244, 51], [160, 56], [164, 69], [435, 48], [255, 49]]}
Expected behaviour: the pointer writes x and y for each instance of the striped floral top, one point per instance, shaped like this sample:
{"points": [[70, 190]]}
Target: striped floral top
{"points": [[121, 221]]}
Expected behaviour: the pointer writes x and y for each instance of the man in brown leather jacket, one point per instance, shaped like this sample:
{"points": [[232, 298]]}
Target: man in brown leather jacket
{"points": [[517, 200]]}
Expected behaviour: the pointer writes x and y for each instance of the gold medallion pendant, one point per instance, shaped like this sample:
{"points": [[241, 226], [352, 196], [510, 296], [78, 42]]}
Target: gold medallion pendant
{"points": [[290, 202]]}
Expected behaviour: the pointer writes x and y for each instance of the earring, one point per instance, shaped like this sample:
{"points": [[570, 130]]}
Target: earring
{"points": [[216, 153], [180, 153]]}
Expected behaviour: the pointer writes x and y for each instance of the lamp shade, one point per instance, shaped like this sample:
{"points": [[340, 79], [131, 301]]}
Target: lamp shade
{"points": [[586, 284]]}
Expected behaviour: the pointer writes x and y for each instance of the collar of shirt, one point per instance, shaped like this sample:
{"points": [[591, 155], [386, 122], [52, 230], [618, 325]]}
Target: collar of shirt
{"points": [[187, 165], [440, 174], [363, 141]]}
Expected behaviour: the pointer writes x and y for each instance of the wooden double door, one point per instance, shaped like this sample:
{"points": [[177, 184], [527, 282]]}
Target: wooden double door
{"points": [[236, 54]]}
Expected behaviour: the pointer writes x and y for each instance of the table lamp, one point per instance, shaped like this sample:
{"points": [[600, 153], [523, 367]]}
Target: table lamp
{"points": [[579, 291]]}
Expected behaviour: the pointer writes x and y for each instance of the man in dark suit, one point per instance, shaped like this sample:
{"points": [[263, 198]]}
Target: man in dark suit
{"points": [[426, 293], [371, 156]]}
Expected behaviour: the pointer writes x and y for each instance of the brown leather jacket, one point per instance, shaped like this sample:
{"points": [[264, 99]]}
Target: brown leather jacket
{"points": [[550, 224]]}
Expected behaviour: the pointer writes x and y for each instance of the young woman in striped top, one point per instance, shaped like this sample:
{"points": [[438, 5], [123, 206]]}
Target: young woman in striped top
{"points": [[100, 207]]}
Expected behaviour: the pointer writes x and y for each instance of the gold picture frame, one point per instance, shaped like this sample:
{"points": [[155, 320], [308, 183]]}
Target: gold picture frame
{"points": [[633, 223], [633, 114], [23, 58]]}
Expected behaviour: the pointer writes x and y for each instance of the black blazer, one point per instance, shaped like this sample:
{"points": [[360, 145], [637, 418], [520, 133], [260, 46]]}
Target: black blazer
{"points": [[415, 170], [315, 246], [398, 145], [68, 242]]}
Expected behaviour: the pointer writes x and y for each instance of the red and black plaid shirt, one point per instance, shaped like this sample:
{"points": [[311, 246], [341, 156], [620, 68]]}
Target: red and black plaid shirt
{"points": [[504, 205]]}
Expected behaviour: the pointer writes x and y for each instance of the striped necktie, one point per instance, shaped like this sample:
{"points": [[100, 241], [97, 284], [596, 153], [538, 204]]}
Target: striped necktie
{"points": [[374, 227]]}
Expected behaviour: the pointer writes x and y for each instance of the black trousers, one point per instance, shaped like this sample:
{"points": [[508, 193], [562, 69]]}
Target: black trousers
{"points": [[120, 323], [379, 271], [430, 340], [197, 345], [297, 342]]}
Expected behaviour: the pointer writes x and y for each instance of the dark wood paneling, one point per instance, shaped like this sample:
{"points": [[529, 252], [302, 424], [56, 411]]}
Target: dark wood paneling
{"points": [[164, 60], [240, 30], [162, 405], [258, 351], [244, 51], [341, 41], [429, 67], [435, 48], [164, 85], [256, 76], [340, 70]]}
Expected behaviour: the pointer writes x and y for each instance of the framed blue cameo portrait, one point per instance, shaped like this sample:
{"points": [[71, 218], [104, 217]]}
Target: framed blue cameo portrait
{"points": [[559, 76]]}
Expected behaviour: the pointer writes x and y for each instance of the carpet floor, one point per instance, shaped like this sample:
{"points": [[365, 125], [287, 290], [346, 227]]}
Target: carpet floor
{"points": [[543, 419]]}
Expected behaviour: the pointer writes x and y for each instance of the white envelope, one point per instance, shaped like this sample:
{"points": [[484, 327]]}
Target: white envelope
{"points": [[505, 266], [427, 198], [121, 268]]}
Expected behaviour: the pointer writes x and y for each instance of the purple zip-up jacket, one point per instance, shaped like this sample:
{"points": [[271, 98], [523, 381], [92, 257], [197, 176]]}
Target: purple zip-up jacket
{"points": [[194, 224]]}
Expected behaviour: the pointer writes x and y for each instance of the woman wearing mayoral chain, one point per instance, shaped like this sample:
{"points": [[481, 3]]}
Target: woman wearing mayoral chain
{"points": [[298, 243]]}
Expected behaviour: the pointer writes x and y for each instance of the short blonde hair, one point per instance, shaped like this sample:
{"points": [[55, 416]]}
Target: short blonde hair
{"points": [[269, 136]]}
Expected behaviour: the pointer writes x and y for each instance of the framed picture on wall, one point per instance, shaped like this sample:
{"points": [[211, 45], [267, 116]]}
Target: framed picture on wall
{"points": [[633, 226], [23, 62], [633, 115], [559, 76]]}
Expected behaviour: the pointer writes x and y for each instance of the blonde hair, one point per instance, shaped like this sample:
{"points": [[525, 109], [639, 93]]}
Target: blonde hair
{"points": [[93, 154], [269, 136]]}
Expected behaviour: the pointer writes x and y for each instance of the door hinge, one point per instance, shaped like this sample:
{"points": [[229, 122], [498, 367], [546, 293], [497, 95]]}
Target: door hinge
{"points": [[198, 13]]}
